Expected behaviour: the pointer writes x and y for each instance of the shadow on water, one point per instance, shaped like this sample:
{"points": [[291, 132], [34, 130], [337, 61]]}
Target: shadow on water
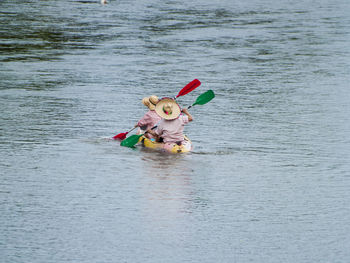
{"points": [[43, 35], [170, 191], [161, 159]]}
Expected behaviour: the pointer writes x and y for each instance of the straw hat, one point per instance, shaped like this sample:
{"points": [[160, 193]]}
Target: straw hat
{"points": [[150, 102], [168, 109]]}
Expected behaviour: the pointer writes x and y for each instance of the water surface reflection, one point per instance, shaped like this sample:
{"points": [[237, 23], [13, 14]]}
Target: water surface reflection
{"points": [[169, 188]]}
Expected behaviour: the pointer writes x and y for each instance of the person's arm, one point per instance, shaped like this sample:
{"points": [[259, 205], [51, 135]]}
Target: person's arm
{"points": [[143, 122], [155, 135], [185, 111]]}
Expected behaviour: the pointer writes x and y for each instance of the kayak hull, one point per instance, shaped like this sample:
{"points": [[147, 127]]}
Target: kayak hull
{"points": [[171, 148]]}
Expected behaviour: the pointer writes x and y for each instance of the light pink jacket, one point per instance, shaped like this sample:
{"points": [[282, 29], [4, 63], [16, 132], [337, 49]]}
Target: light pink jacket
{"points": [[148, 121], [172, 131]]}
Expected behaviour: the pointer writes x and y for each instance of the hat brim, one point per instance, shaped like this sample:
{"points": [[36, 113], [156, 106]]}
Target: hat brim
{"points": [[176, 111]]}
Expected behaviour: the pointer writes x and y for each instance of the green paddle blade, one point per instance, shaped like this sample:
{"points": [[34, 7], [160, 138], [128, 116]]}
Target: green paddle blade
{"points": [[131, 141], [204, 98]]}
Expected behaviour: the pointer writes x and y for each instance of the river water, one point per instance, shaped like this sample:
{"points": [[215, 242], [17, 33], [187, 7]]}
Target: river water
{"points": [[268, 179]]}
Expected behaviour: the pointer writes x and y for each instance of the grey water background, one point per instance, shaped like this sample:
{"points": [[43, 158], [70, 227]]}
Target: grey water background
{"points": [[269, 177]]}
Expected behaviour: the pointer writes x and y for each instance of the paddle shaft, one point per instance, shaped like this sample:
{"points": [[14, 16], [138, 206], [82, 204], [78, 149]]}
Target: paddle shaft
{"points": [[132, 129]]}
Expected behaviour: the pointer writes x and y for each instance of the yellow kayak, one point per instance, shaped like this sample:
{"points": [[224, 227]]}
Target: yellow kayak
{"points": [[173, 148]]}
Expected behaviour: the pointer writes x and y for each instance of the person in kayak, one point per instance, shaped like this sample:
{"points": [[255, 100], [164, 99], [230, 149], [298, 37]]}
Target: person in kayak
{"points": [[170, 128], [151, 118]]}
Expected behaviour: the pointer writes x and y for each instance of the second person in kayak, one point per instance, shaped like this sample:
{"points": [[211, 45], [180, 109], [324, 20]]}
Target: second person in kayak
{"points": [[151, 118]]}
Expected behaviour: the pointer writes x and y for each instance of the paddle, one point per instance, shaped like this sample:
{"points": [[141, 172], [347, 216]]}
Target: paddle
{"points": [[122, 136], [133, 139], [201, 100], [204, 98], [187, 89]]}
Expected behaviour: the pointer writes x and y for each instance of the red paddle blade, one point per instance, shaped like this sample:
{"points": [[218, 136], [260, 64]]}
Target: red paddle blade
{"points": [[189, 87], [120, 136]]}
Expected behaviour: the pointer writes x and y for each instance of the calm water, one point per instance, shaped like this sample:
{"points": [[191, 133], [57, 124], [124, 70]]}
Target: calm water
{"points": [[269, 177]]}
